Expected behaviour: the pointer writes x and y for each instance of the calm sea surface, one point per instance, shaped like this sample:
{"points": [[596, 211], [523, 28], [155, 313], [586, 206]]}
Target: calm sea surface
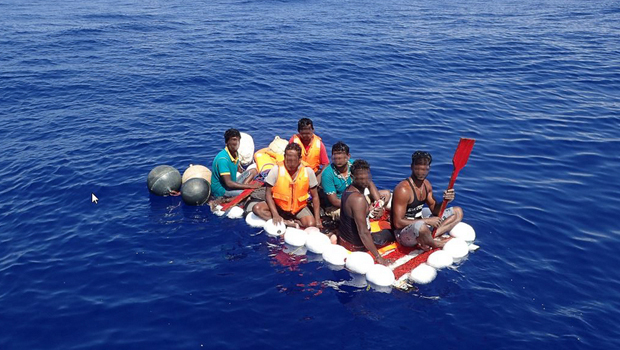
{"points": [[94, 94]]}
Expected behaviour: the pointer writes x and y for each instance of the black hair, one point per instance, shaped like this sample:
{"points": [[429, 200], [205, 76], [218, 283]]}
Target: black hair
{"points": [[340, 147], [231, 133], [303, 122], [421, 155], [293, 146], [359, 164]]}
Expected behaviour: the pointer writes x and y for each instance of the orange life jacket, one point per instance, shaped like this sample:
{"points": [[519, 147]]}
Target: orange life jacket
{"points": [[265, 159], [288, 194], [313, 155]]}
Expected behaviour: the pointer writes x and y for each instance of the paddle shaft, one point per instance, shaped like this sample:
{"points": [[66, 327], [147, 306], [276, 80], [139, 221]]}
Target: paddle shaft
{"points": [[236, 200]]}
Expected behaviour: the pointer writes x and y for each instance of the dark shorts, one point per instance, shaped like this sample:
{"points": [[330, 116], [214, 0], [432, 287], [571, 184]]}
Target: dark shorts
{"points": [[380, 239], [290, 216]]}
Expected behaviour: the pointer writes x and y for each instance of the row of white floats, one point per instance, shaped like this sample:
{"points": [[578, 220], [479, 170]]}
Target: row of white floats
{"points": [[311, 239]]}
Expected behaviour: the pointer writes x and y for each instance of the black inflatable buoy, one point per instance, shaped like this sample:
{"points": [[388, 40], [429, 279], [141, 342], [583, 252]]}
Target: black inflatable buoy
{"points": [[163, 179], [196, 191]]}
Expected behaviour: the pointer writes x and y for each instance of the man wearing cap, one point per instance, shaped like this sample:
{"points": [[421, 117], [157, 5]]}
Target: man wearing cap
{"points": [[224, 182], [410, 195], [288, 186]]}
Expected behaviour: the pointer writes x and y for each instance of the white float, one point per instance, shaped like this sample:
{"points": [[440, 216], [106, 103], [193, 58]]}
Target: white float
{"points": [[254, 221], [317, 242], [246, 149], [440, 259], [196, 171], [423, 274], [274, 230], [295, 237], [457, 248], [218, 211], [380, 275], [312, 229], [235, 213], [464, 231], [335, 254], [359, 262]]}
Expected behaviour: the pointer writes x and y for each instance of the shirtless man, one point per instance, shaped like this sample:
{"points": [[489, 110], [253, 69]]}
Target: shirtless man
{"points": [[410, 195], [354, 230]]}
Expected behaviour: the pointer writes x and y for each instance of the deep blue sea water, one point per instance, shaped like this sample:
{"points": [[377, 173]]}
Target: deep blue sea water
{"points": [[95, 94]]}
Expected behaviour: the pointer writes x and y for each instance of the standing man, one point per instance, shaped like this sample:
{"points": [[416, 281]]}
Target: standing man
{"points": [[337, 177], [410, 195], [224, 182], [312, 148], [286, 194], [354, 226]]}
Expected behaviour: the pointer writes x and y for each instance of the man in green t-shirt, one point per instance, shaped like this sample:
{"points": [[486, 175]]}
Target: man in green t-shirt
{"points": [[337, 177], [224, 182]]}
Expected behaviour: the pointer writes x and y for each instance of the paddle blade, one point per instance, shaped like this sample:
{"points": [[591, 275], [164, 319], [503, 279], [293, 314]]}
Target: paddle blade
{"points": [[461, 155]]}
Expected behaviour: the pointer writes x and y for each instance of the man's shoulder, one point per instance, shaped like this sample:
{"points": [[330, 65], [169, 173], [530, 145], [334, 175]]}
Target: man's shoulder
{"points": [[222, 154], [355, 200]]}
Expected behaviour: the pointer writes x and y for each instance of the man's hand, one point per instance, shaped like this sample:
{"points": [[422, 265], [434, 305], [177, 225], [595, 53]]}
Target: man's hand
{"points": [[319, 223], [277, 219], [433, 221], [256, 185], [448, 195], [381, 260]]}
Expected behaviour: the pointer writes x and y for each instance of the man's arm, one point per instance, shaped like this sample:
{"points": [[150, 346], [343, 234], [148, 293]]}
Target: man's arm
{"points": [[316, 206], [334, 200], [272, 205], [232, 185], [399, 207], [359, 207], [374, 192]]}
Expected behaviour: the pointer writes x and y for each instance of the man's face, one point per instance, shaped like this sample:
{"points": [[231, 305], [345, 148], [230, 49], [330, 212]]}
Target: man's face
{"points": [[420, 171], [306, 134], [340, 159], [362, 178], [233, 144], [291, 160]]}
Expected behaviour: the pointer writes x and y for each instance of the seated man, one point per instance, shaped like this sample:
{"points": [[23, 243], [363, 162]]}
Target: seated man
{"points": [[410, 195], [224, 182], [312, 148], [286, 195], [354, 229], [337, 177]]}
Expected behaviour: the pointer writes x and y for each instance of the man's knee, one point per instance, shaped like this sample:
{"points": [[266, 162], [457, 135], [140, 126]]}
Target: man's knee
{"points": [[458, 212], [261, 209], [308, 221]]}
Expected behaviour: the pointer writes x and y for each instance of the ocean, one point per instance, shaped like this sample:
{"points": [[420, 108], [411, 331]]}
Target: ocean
{"points": [[93, 95]]}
